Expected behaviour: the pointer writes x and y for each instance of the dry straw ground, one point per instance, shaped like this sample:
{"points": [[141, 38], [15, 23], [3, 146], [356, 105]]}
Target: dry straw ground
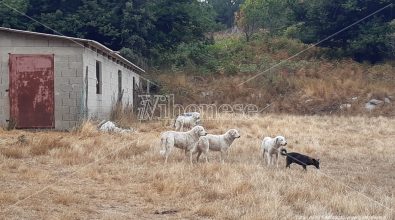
{"points": [[89, 175]]}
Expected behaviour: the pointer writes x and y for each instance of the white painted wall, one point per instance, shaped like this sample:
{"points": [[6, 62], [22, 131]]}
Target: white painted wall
{"points": [[100, 105]]}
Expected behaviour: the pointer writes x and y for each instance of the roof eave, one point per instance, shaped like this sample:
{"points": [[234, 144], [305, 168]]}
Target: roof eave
{"points": [[77, 40]]}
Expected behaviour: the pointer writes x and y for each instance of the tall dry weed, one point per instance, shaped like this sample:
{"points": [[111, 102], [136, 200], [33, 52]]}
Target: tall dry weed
{"points": [[42, 145]]}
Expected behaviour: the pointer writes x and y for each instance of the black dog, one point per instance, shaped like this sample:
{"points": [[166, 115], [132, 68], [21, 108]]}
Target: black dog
{"points": [[300, 159]]}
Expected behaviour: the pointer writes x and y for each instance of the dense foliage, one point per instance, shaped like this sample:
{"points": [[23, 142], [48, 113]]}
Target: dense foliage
{"points": [[138, 28], [357, 28], [168, 32], [225, 10]]}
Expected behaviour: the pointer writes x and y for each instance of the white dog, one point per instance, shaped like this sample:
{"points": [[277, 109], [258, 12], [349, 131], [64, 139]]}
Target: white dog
{"points": [[183, 140], [187, 120], [216, 143], [271, 148]]}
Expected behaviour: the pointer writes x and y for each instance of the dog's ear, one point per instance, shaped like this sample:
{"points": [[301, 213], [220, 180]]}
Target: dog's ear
{"points": [[318, 160], [276, 140]]}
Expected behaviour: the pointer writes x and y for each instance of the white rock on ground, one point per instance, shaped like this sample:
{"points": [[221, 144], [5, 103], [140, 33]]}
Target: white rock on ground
{"points": [[372, 104], [345, 106], [375, 102]]}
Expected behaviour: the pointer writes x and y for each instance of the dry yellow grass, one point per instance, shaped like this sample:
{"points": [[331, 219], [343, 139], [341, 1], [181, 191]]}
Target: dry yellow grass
{"points": [[318, 87], [85, 174]]}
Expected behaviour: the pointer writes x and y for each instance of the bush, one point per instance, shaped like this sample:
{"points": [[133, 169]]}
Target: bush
{"points": [[198, 56], [231, 69]]}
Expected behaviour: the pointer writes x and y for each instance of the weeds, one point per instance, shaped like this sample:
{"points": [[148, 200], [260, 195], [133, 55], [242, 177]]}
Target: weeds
{"points": [[97, 175]]}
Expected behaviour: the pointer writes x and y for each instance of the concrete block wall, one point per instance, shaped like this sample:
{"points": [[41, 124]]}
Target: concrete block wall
{"points": [[4, 103], [100, 105], [68, 74]]}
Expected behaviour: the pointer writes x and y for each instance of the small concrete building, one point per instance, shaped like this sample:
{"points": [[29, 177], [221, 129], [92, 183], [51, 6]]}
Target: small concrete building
{"points": [[53, 82]]}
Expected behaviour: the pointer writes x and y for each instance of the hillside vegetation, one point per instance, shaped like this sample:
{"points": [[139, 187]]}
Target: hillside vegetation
{"points": [[146, 32], [310, 83]]}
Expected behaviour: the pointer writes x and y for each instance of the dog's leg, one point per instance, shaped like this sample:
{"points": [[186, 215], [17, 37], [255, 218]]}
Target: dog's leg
{"points": [[169, 148], [206, 154], [267, 158], [197, 158], [277, 160], [289, 161], [222, 157], [273, 159], [190, 157], [263, 157], [304, 167], [164, 148], [167, 154]]}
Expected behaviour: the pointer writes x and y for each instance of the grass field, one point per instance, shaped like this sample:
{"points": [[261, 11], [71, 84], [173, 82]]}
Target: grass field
{"points": [[89, 175]]}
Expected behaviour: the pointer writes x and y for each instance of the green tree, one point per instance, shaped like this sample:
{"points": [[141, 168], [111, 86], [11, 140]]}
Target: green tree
{"points": [[225, 11], [181, 21], [268, 15], [178, 22], [367, 40], [138, 28], [11, 13]]}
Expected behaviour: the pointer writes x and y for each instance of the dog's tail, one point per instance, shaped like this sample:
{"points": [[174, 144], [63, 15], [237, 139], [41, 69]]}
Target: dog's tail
{"points": [[283, 152]]}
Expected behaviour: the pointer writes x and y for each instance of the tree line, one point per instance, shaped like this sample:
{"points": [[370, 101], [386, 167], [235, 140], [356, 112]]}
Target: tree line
{"points": [[145, 31], [361, 29]]}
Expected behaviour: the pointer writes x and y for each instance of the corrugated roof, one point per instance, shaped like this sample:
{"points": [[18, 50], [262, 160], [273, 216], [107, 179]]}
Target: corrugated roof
{"points": [[82, 42]]}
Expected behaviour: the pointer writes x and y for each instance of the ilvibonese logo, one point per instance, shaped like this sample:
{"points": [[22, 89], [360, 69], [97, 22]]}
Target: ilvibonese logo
{"points": [[163, 107]]}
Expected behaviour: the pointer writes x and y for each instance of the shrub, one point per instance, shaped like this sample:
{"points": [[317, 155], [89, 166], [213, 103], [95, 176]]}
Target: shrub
{"points": [[231, 69]]}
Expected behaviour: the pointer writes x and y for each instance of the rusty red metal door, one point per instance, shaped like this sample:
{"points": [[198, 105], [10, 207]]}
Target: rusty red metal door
{"points": [[32, 90]]}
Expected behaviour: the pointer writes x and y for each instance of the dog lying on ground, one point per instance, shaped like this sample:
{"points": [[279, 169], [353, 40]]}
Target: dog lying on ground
{"points": [[271, 148], [300, 159], [183, 140], [216, 143], [187, 120]]}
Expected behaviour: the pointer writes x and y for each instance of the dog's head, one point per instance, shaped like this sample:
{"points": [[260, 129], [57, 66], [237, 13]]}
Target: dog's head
{"points": [[233, 133], [280, 140], [316, 163], [195, 115], [199, 131]]}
